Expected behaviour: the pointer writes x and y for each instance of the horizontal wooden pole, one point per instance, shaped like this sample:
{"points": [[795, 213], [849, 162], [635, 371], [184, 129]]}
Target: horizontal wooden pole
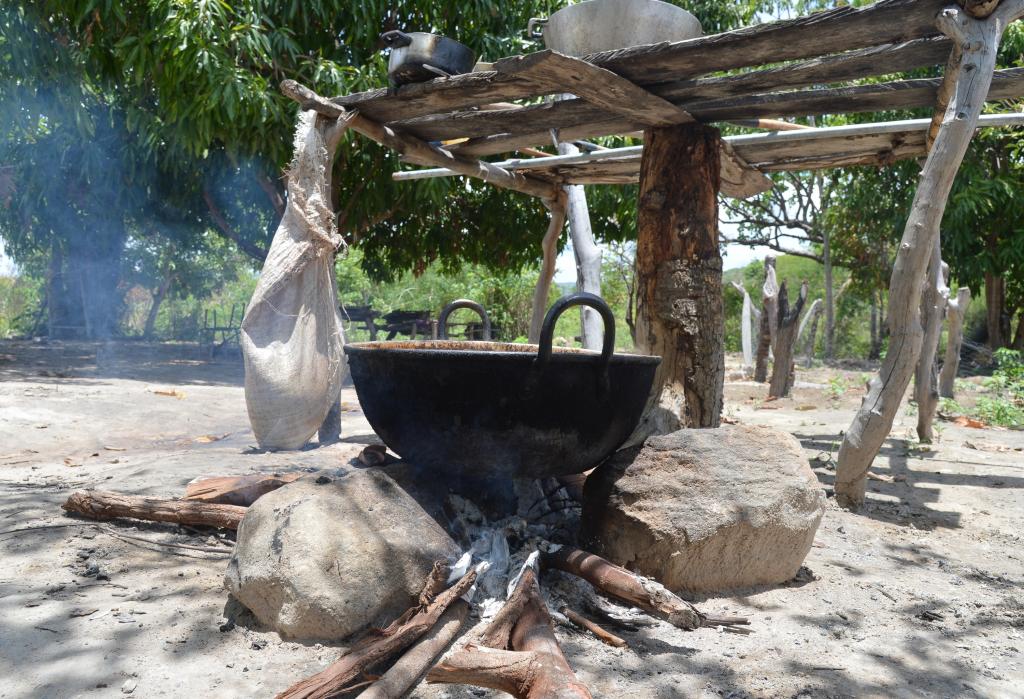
{"points": [[781, 137], [533, 129], [417, 149]]}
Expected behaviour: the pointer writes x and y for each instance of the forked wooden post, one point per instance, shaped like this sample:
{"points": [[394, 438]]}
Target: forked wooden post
{"points": [[955, 312], [549, 247], [978, 41], [769, 320], [926, 379], [679, 268]]}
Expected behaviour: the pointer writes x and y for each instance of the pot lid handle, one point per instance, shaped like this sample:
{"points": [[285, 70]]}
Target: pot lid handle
{"points": [[442, 320], [547, 330], [395, 39]]}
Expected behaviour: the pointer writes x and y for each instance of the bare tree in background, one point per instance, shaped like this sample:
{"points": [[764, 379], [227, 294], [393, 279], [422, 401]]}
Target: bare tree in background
{"points": [[787, 217]]}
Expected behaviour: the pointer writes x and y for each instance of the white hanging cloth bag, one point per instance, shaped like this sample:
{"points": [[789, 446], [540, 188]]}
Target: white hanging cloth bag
{"points": [[292, 336]]}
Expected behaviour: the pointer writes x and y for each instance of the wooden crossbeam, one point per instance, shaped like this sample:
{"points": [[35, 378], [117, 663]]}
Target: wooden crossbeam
{"points": [[830, 32], [551, 71], [532, 128], [840, 68], [417, 149]]}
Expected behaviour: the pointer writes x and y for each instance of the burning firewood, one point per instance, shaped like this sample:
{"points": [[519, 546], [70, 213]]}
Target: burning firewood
{"points": [[517, 654], [624, 586], [383, 644], [97, 504], [407, 670], [237, 490]]}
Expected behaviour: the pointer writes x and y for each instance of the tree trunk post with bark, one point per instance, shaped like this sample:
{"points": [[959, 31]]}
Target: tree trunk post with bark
{"points": [[971, 67], [955, 312], [785, 342], [588, 256], [679, 268], [995, 301], [830, 307], [769, 319], [549, 248], [926, 382]]}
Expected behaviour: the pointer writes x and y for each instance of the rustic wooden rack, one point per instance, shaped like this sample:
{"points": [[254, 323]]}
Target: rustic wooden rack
{"points": [[842, 61]]}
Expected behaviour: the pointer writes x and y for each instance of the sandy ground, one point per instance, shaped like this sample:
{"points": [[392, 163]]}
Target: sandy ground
{"points": [[943, 537]]}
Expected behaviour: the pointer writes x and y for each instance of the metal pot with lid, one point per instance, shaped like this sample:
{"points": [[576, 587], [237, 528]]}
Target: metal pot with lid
{"points": [[420, 56], [605, 25]]}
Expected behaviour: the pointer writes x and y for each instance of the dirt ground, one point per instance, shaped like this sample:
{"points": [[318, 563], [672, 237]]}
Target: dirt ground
{"points": [[920, 595]]}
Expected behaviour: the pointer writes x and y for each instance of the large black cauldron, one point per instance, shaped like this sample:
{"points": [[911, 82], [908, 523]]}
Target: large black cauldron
{"points": [[496, 409]]}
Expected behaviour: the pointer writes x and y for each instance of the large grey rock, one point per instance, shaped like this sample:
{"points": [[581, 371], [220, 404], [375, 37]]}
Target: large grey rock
{"points": [[706, 510], [320, 561]]}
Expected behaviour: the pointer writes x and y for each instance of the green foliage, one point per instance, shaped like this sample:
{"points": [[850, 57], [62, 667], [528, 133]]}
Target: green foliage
{"points": [[19, 305], [1003, 400]]}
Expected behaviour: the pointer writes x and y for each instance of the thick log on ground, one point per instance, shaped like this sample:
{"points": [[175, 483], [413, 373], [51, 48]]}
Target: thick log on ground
{"points": [[624, 586], [769, 320], [955, 312], [402, 633], [237, 490], [785, 342], [97, 504], [926, 380], [972, 77], [517, 654], [413, 665], [679, 268]]}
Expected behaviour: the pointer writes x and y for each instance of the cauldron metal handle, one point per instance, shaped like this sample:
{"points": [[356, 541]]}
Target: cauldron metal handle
{"points": [[442, 320], [535, 27], [547, 330]]}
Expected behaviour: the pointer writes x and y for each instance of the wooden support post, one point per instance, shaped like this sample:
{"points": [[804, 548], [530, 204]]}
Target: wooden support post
{"points": [[809, 331], [978, 41], [785, 341], [926, 381], [769, 320], [679, 268], [955, 312], [549, 247], [746, 330], [588, 256]]}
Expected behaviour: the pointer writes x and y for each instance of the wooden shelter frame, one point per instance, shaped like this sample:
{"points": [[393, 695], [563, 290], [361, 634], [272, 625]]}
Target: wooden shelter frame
{"points": [[793, 68]]}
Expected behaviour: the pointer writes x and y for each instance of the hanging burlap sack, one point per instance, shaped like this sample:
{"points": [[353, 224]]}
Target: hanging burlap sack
{"points": [[291, 335]]}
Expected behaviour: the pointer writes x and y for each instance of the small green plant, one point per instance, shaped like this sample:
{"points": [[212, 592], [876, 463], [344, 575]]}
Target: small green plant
{"points": [[963, 386], [1005, 403], [999, 411], [837, 386], [948, 406]]}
